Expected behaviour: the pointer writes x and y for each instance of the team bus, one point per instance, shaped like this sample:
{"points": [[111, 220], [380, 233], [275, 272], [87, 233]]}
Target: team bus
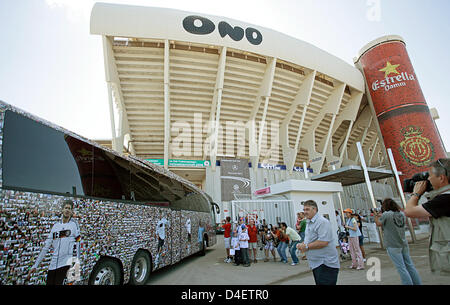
{"points": [[74, 212]]}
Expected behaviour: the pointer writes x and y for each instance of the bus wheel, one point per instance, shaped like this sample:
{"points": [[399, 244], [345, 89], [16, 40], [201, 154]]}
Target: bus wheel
{"points": [[106, 272], [140, 268]]}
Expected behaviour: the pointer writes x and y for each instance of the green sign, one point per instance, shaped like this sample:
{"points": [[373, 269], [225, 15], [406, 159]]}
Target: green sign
{"points": [[181, 163]]}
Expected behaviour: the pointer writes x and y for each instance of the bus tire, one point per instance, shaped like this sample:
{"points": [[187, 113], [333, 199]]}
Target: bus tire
{"points": [[106, 272], [140, 268]]}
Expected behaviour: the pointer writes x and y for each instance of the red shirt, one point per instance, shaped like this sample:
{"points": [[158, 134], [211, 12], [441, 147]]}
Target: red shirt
{"points": [[227, 228], [252, 233], [282, 237]]}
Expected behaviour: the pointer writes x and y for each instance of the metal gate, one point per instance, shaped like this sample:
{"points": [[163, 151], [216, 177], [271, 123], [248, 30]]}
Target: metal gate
{"points": [[273, 211]]}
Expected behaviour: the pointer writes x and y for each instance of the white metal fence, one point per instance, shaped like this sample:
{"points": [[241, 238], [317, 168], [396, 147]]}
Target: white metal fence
{"points": [[273, 211]]}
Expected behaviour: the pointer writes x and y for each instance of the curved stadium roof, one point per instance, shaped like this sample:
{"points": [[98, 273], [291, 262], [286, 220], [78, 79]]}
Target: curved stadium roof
{"points": [[162, 76]]}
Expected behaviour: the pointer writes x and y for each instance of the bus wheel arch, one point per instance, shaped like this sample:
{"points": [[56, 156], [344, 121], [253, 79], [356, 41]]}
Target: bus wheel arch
{"points": [[141, 267], [107, 271]]}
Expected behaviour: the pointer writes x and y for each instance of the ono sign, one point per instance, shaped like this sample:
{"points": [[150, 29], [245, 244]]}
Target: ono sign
{"points": [[199, 25]]}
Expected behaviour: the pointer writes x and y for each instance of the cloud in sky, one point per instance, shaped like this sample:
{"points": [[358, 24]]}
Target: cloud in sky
{"points": [[76, 11]]}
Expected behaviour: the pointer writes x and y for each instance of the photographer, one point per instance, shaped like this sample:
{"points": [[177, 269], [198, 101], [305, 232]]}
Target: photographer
{"points": [[438, 210], [393, 222], [268, 241]]}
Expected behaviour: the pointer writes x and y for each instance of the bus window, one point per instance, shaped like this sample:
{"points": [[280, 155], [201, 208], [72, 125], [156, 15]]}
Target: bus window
{"points": [[144, 186], [192, 201], [37, 157], [111, 176]]}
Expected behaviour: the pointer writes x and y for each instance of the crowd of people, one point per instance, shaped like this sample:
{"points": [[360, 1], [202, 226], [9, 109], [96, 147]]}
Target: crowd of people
{"points": [[281, 238], [242, 240], [313, 235]]}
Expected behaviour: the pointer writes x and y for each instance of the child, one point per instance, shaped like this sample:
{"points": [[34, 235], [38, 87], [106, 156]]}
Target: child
{"points": [[344, 245], [268, 241], [243, 244], [235, 248]]}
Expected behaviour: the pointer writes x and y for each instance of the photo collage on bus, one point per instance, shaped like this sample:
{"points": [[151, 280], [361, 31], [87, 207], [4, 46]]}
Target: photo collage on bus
{"points": [[107, 228], [111, 229]]}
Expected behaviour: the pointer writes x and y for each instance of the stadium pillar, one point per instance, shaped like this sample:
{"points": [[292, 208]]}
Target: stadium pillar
{"points": [[369, 187], [302, 98], [166, 104], [214, 118]]}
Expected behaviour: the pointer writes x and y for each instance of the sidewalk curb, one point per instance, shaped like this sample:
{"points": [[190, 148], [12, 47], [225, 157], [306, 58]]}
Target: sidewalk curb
{"points": [[293, 276]]}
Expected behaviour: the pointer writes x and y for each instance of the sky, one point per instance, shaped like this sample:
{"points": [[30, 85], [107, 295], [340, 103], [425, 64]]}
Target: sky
{"points": [[52, 67]]}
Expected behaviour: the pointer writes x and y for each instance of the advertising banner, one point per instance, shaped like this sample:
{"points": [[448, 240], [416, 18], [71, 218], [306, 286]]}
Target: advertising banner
{"points": [[400, 107], [181, 163], [235, 178]]}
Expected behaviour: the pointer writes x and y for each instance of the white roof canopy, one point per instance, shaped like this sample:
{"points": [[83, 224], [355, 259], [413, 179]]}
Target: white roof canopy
{"points": [[167, 83]]}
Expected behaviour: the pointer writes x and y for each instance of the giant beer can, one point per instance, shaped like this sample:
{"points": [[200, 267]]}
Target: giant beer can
{"points": [[403, 116]]}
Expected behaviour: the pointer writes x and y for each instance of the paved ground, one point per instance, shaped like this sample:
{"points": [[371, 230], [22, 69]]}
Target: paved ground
{"points": [[211, 269]]}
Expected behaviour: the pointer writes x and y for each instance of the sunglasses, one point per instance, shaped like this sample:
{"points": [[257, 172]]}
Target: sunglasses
{"points": [[442, 165]]}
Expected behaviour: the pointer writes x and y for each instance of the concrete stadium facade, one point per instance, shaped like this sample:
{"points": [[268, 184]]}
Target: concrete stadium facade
{"points": [[189, 90]]}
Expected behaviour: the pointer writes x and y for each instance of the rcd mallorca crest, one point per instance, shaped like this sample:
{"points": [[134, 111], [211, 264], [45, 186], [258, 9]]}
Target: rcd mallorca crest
{"points": [[415, 148]]}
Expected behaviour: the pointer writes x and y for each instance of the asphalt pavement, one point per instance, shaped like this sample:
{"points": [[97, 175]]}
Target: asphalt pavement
{"points": [[212, 270]]}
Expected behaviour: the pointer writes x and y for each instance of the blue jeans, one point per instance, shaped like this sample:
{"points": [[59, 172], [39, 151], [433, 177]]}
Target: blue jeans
{"points": [[292, 250], [405, 267], [282, 251], [302, 235]]}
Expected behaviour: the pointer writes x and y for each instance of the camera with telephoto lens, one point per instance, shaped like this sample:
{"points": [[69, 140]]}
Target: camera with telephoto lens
{"points": [[409, 183]]}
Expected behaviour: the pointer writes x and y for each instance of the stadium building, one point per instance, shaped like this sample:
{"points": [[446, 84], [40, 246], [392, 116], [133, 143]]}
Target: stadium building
{"points": [[237, 108]]}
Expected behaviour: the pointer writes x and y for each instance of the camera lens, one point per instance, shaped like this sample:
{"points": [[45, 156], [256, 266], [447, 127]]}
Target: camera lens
{"points": [[408, 184]]}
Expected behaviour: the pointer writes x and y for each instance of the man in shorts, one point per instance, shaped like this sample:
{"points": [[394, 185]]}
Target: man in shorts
{"points": [[161, 234], [227, 239], [252, 231]]}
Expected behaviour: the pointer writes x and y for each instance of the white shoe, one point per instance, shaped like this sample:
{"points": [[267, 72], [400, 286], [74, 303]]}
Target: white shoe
{"points": [[293, 264]]}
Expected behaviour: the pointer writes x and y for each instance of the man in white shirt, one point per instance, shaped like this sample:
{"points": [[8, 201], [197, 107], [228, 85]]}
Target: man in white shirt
{"points": [[339, 222], [64, 238], [188, 229], [322, 255], [161, 233], [294, 239]]}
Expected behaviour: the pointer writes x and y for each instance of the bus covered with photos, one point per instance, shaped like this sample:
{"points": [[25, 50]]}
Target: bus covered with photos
{"points": [[74, 212]]}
